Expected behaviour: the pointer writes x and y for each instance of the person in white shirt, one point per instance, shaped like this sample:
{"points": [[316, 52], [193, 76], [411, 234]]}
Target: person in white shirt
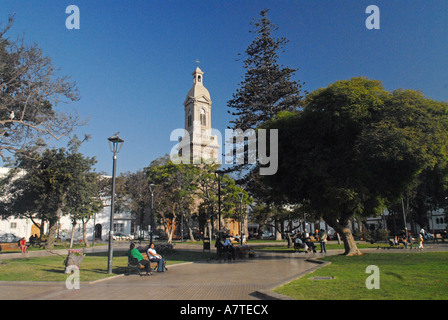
{"points": [[155, 257]]}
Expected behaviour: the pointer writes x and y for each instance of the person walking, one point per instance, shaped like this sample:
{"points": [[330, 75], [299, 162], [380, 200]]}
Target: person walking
{"points": [[323, 241], [420, 242]]}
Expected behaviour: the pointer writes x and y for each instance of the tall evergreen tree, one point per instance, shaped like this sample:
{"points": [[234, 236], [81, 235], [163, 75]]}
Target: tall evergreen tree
{"points": [[267, 87]]}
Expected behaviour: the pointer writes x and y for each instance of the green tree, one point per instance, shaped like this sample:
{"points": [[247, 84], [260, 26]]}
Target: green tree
{"points": [[83, 201], [356, 148], [267, 87], [134, 196], [30, 93], [48, 182], [191, 191], [175, 183]]}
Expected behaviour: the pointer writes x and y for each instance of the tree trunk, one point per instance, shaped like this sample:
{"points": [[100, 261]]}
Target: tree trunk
{"points": [[351, 249], [278, 234], [51, 234], [170, 235], [84, 233], [288, 237], [260, 231], [72, 234], [53, 228], [42, 228], [190, 230]]}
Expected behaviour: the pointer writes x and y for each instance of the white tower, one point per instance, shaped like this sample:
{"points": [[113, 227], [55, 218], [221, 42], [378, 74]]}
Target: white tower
{"points": [[198, 115]]}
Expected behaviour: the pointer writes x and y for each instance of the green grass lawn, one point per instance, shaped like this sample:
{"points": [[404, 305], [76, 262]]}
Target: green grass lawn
{"points": [[403, 276], [93, 267]]}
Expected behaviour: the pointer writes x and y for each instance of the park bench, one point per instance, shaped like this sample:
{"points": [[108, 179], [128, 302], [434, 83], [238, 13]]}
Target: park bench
{"points": [[10, 246], [226, 253], [135, 266], [244, 251]]}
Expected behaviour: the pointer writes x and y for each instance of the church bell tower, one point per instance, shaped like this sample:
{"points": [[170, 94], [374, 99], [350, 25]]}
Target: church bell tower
{"points": [[198, 115]]}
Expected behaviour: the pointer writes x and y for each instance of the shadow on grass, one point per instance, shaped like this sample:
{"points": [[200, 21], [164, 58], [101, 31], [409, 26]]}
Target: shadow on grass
{"points": [[59, 271]]}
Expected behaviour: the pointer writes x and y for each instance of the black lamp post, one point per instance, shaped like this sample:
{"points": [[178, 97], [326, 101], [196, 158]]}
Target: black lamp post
{"points": [[151, 189], [115, 143], [220, 174], [241, 195]]}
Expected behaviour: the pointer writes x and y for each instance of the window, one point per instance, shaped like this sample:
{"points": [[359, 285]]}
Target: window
{"points": [[189, 118], [13, 225], [203, 119], [118, 227]]}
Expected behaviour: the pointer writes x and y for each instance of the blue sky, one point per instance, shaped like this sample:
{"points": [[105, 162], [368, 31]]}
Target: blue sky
{"points": [[132, 60]]}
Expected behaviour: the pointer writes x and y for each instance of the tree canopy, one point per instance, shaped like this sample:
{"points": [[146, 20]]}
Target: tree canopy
{"points": [[30, 93], [356, 148], [191, 191], [52, 183]]}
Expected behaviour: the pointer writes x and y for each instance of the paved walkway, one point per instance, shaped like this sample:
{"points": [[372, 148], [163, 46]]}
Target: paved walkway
{"points": [[249, 279]]}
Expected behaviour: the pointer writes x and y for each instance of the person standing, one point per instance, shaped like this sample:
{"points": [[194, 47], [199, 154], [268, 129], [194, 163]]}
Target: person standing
{"points": [[323, 241], [22, 244]]}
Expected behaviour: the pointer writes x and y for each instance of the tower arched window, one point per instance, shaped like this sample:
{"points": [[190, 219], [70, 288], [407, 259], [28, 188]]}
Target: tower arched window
{"points": [[189, 122], [203, 118]]}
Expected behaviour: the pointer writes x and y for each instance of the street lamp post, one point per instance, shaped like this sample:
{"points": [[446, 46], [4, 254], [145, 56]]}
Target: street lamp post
{"points": [[115, 143], [220, 174], [241, 195], [151, 189], [404, 220]]}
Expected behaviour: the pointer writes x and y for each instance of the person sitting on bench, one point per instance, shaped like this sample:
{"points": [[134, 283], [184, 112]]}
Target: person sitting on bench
{"points": [[298, 244], [134, 253], [155, 257]]}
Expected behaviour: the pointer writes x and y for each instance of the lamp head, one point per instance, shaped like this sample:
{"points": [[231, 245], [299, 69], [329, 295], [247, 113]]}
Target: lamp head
{"points": [[115, 143]]}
